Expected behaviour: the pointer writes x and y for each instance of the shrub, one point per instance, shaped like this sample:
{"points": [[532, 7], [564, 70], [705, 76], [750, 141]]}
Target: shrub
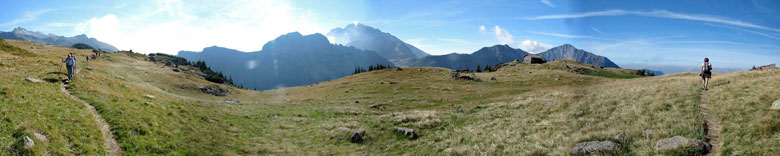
{"points": [[81, 46]]}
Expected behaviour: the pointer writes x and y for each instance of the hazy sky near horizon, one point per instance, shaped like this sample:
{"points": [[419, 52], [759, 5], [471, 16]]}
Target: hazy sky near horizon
{"points": [[733, 33]]}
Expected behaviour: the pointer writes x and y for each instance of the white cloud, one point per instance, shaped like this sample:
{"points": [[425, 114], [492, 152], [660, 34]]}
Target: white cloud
{"points": [[560, 35], [657, 13], [533, 46], [548, 3], [503, 36], [175, 25], [482, 29]]}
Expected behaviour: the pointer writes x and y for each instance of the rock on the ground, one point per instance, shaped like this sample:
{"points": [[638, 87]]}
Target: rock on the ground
{"points": [[775, 105], [89, 68], [40, 136], [680, 143], [215, 90], [492, 78], [357, 137], [406, 131], [149, 96], [595, 148], [34, 80], [621, 137], [28, 142], [648, 132], [230, 100]]}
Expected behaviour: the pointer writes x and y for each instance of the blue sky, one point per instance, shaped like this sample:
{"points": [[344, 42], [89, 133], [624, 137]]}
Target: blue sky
{"points": [[638, 34]]}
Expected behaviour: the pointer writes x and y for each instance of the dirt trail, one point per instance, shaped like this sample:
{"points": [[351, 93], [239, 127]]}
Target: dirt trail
{"points": [[111, 145], [712, 123]]}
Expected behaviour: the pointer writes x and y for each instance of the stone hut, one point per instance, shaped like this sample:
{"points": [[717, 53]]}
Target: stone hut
{"points": [[533, 59], [766, 67]]}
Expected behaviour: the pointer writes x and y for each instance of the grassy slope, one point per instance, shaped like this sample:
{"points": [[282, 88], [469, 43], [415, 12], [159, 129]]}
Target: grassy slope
{"points": [[741, 100], [528, 109], [29, 108]]}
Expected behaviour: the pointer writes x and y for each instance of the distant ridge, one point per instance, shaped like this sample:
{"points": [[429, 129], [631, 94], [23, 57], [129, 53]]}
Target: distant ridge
{"points": [[289, 60], [485, 56], [567, 51], [369, 38], [20, 33]]}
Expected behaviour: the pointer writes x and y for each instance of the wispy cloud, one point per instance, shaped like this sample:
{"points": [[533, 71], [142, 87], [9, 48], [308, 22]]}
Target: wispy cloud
{"points": [[482, 29], [749, 31], [597, 30], [657, 13], [27, 17], [454, 40], [548, 3], [561, 35]]}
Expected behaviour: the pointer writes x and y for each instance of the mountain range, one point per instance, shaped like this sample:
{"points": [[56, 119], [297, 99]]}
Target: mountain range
{"points": [[501, 54], [294, 59], [289, 60], [485, 56], [20, 33], [365, 37]]}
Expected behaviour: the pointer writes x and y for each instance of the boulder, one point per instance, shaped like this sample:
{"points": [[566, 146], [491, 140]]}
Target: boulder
{"points": [[621, 137], [28, 142], [40, 136], [149, 96], [375, 106], [595, 148], [357, 137], [33, 80], [648, 132], [775, 105], [679, 143], [215, 90], [492, 78], [407, 132]]}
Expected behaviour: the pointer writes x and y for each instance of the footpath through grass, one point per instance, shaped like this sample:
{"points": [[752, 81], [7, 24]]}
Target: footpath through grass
{"points": [[28, 108]]}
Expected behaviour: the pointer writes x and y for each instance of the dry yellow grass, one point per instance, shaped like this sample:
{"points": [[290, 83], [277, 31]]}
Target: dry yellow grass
{"points": [[527, 110]]}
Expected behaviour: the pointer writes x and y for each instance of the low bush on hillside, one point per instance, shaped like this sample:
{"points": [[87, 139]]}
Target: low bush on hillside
{"points": [[370, 68], [216, 77], [81, 46]]}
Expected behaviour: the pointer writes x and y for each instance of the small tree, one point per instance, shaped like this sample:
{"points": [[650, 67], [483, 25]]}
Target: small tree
{"points": [[479, 69]]}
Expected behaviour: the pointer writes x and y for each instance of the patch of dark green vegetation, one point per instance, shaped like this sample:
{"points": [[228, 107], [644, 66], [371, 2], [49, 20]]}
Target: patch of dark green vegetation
{"points": [[371, 68], [175, 61], [81, 46]]}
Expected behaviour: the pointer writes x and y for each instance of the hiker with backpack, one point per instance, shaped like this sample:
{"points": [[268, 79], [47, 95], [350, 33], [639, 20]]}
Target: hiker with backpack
{"points": [[70, 62], [705, 73]]}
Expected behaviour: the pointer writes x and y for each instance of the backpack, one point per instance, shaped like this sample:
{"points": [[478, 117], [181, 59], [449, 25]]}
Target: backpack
{"points": [[708, 67]]}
